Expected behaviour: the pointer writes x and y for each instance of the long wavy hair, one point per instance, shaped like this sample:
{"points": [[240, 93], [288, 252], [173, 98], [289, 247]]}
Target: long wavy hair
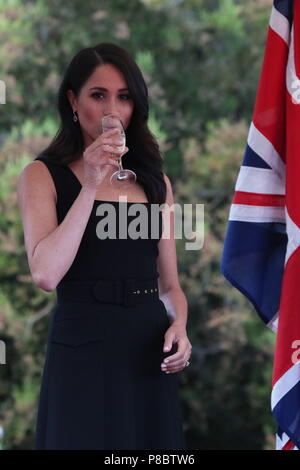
{"points": [[144, 156]]}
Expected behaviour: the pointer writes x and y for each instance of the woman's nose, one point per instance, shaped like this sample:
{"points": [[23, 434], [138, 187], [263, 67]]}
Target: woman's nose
{"points": [[112, 107]]}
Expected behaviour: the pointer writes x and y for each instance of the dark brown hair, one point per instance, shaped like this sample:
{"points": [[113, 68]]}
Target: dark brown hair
{"points": [[143, 157]]}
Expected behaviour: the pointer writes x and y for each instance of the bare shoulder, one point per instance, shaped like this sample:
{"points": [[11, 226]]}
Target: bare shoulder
{"points": [[36, 178], [37, 204], [169, 195]]}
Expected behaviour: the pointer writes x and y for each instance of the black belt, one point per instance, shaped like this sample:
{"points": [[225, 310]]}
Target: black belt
{"points": [[120, 291]]}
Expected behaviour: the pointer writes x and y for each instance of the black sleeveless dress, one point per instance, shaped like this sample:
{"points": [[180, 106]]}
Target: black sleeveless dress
{"points": [[102, 386]]}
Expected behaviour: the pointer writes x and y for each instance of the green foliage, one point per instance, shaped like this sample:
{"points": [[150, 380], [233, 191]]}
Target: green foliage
{"points": [[201, 60], [224, 18]]}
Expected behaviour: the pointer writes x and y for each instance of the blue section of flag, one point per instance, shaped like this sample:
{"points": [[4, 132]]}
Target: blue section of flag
{"points": [[285, 7], [253, 261], [287, 412], [252, 159]]}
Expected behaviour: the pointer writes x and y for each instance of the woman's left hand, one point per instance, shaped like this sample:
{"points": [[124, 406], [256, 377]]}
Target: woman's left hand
{"points": [[176, 334]]}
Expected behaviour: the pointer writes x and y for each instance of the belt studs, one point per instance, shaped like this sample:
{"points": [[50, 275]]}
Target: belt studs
{"points": [[146, 291]]}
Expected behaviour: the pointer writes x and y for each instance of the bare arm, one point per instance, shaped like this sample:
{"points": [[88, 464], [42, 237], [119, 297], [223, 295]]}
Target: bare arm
{"points": [[170, 291], [171, 295], [51, 248]]}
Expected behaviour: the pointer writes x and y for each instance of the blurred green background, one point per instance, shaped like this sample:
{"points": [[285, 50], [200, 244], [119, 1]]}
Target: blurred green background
{"points": [[201, 60]]}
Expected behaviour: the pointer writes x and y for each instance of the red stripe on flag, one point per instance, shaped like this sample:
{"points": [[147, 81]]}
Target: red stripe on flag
{"points": [[293, 159], [289, 445], [255, 199], [289, 319], [269, 111], [296, 24]]}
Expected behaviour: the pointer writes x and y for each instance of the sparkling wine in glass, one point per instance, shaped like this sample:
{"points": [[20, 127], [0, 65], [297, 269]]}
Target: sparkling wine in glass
{"points": [[122, 178]]}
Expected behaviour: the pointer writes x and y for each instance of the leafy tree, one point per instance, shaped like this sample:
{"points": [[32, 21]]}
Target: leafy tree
{"points": [[201, 60]]}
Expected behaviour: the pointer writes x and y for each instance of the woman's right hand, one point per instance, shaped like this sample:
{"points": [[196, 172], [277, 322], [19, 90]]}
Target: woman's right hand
{"points": [[97, 158]]}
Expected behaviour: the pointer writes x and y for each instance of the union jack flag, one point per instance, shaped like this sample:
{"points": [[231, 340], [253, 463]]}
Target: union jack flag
{"points": [[261, 255]]}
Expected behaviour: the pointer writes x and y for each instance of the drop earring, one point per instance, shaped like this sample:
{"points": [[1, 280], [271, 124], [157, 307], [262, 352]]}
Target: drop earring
{"points": [[75, 118]]}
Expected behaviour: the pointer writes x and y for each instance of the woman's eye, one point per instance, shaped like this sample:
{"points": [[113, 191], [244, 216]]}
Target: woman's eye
{"points": [[125, 97], [97, 95]]}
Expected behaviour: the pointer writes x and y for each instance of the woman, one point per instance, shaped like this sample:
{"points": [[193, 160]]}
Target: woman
{"points": [[118, 333]]}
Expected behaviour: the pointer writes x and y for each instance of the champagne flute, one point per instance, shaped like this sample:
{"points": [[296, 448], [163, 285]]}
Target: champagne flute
{"points": [[122, 178]]}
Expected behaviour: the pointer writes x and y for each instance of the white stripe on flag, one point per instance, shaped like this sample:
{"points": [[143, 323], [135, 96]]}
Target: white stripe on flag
{"points": [[293, 232], [273, 323], [280, 442], [280, 24], [285, 383], [264, 148], [259, 180], [292, 81], [247, 213]]}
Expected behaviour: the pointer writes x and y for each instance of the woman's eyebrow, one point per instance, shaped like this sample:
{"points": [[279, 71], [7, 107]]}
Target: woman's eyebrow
{"points": [[105, 89]]}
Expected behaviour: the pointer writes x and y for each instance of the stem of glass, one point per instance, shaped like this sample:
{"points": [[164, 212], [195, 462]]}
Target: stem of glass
{"points": [[120, 163]]}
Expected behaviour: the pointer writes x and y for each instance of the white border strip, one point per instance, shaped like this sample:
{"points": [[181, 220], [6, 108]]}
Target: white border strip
{"points": [[264, 148], [247, 213], [286, 382], [280, 24], [259, 180], [292, 81], [293, 232], [273, 323]]}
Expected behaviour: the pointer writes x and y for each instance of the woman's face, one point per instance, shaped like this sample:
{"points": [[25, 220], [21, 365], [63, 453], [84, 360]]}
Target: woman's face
{"points": [[104, 92]]}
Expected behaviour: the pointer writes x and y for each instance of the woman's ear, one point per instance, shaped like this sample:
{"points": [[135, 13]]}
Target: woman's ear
{"points": [[72, 99]]}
